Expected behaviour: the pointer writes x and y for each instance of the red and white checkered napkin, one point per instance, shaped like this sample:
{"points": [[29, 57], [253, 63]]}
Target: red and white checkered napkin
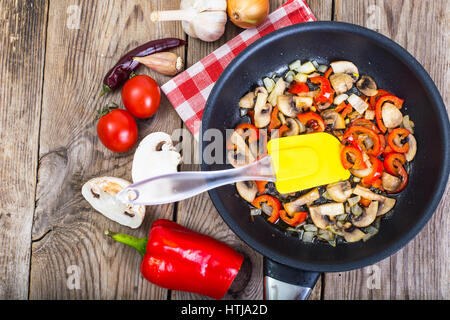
{"points": [[189, 90]]}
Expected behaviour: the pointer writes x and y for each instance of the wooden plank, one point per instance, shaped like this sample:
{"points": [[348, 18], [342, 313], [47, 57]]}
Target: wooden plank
{"points": [[22, 50], [68, 239], [421, 270]]}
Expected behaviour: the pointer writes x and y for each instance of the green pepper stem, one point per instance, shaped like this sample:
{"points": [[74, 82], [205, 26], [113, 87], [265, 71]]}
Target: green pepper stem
{"points": [[140, 244]]}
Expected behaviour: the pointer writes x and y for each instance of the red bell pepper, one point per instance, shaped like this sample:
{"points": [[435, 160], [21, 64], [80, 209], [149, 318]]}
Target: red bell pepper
{"points": [[325, 93], [328, 73], [352, 157], [377, 171], [312, 120], [298, 87], [373, 99], [295, 219], [248, 127], [275, 122], [270, 201], [378, 109], [394, 164], [361, 122], [261, 185], [357, 135], [177, 258], [398, 134]]}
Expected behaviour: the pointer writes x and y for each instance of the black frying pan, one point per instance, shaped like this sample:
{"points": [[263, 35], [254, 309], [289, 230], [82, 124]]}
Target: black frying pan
{"points": [[393, 69]]}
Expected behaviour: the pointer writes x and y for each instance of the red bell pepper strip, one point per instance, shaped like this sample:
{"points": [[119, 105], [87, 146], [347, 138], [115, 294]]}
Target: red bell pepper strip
{"points": [[261, 185], [361, 122], [398, 134], [272, 202], [298, 87], [177, 258], [352, 157], [373, 99], [378, 109], [295, 219], [353, 135], [325, 93], [245, 127], [328, 73], [347, 110], [275, 122], [341, 106], [393, 164], [365, 202], [377, 171], [312, 120]]}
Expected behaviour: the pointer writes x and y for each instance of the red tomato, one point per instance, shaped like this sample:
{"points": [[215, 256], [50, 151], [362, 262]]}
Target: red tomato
{"points": [[117, 130], [141, 96]]}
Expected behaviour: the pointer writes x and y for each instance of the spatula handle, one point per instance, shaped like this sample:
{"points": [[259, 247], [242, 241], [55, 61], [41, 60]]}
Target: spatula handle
{"points": [[182, 185]]}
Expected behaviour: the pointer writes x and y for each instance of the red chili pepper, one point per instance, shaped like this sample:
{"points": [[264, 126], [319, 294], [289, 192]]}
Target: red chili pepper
{"points": [[275, 122], [377, 171], [355, 155], [312, 120], [177, 258], [353, 135], [261, 185], [378, 109], [373, 99], [325, 93], [298, 87], [393, 164], [295, 219], [272, 202], [398, 134]]}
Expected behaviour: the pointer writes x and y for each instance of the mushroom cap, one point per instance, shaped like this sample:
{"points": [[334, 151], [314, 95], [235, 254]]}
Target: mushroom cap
{"points": [[367, 217], [392, 117], [390, 182], [323, 215], [344, 67], [340, 191], [412, 148], [367, 85], [385, 206], [341, 82], [353, 234], [333, 118], [247, 190]]}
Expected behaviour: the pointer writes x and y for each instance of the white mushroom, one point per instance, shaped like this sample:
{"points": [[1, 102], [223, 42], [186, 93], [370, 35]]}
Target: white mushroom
{"points": [[247, 190], [352, 234], [324, 215], [367, 85], [385, 206], [333, 119], [247, 101], [368, 216], [367, 194], [278, 90], [296, 205], [101, 195], [392, 117], [340, 191], [341, 82], [344, 67], [412, 148], [390, 182], [286, 106]]}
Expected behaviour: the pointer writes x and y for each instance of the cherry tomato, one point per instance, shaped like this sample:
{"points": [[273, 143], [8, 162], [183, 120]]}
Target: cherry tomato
{"points": [[117, 130], [141, 96]]}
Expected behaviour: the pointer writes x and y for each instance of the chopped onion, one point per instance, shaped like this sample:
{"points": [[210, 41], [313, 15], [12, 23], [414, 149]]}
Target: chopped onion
{"points": [[255, 212], [307, 68], [322, 68], [266, 209], [354, 200], [356, 210], [325, 235], [295, 65], [340, 98], [301, 77], [308, 237], [243, 112], [357, 103], [315, 64], [341, 217], [289, 77], [310, 228], [269, 84]]}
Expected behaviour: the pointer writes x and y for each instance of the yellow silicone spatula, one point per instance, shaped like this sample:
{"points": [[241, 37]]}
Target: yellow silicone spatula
{"points": [[294, 163]]}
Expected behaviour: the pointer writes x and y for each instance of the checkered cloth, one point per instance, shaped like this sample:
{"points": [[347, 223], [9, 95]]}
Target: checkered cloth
{"points": [[189, 90]]}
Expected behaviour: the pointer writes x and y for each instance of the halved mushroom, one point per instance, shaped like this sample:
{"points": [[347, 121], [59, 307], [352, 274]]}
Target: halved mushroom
{"points": [[340, 191], [293, 126], [366, 193], [247, 101], [303, 103], [390, 182], [341, 82], [296, 205], [392, 117], [333, 119], [324, 215], [358, 104], [101, 195], [385, 206], [367, 85], [278, 90], [262, 115], [367, 217], [351, 233], [412, 148], [344, 67], [247, 190], [286, 106]]}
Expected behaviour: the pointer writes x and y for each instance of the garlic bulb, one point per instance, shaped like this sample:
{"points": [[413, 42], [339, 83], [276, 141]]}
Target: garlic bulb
{"points": [[203, 19]]}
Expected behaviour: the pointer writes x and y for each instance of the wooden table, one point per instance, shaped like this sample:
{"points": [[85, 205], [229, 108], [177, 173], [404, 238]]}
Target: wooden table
{"points": [[52, 64]]}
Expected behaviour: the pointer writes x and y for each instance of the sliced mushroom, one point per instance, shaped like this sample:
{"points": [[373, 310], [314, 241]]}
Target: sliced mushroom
{"points": [[324, 215], [247, 190], [341, 82], [101, 195], [367, 85], [278, 90], [392, 117], [385, 206], [366, 193], [262, 115], [340, 191], [333, 119], [352, 234], [344, 67], [390, 182], [242, 155], [303, 103], [412, 148], [358, 104], [296, 205], [293, 126], [286, 106], [367, 217], [247, 101]]}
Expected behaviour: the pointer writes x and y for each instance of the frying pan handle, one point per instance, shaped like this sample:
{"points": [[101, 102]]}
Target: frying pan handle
{"points": [[285, 283]]}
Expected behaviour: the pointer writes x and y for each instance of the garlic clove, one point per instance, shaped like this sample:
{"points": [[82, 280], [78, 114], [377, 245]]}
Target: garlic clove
{"points": [[101, 194], [167, 63]]}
